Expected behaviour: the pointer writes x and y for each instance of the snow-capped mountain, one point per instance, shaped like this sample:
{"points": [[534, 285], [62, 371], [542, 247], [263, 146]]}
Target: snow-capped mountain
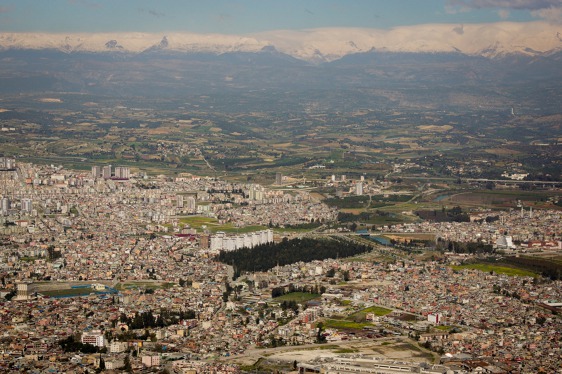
{"points": [[316, 45]]}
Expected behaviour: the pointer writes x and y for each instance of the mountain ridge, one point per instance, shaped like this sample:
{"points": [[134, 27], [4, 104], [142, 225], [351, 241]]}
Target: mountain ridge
{"points": [[315, 45]]}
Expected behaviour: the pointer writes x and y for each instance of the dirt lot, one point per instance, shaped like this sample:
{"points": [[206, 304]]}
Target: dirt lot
{"points": [[400, 349]]}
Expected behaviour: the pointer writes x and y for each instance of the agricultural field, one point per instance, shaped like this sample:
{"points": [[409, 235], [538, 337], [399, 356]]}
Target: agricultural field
{"points": [[511, 271], [298, 297], [502, 199]]}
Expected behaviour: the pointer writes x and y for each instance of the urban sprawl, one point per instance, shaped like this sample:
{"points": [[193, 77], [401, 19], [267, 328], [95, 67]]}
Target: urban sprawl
{"points": [[124, 264]]}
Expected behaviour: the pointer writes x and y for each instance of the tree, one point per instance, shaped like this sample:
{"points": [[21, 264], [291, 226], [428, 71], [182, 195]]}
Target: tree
{"points": [[10, 295], [320, 338], [102, 364], [128, 367]]}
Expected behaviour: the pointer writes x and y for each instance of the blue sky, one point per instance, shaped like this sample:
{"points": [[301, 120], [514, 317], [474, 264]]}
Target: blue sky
{"points": [[250, 16]]}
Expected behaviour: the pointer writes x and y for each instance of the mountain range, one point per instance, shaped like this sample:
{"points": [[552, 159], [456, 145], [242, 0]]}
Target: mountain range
{"points": [[315, 45], [426, 66]]}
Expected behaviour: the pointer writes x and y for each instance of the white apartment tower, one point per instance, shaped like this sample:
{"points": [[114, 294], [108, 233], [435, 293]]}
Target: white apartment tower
{"points": [[359, 188], [106, 172], [122, 172], [26, 205], [5, 205], [96, 171]]}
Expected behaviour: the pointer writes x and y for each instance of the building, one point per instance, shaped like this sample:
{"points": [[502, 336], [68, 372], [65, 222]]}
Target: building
{"points": [[106, 172], [122, 172], [344, 365], [359, 188], [7, 163], [505, 242], [118, 347], [256, 193], [204, 241], [96, 171], [191, 204], [278, 178], [151, 360], [26, 205], [24, 292], [5, 205], [221, 242], [435, 318], [94, 337]]}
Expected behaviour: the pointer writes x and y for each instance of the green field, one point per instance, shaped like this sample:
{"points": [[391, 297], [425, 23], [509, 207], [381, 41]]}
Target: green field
{"points": [[299, 297], [200, 222], [497, 269], [378, 311], [343, 324]]}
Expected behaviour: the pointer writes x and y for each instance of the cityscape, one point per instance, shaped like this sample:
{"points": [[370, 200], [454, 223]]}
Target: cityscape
{"points": [[126, 264], [290, 187]]}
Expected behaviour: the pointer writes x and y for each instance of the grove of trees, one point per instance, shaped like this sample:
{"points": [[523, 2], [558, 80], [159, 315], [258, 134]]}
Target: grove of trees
{"points": [[267, 256]]}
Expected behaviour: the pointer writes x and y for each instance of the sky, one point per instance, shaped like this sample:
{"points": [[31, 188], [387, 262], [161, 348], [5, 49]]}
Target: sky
{"points": [[254, 16]]}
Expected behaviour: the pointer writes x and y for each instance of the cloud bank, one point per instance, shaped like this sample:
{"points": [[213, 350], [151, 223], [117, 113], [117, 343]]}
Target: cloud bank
{"points": [[316, 45], [507, 4], [549, 10]]}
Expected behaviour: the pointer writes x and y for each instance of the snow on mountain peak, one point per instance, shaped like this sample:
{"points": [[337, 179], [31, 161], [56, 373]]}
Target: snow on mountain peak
{"points": [[315, 45]]}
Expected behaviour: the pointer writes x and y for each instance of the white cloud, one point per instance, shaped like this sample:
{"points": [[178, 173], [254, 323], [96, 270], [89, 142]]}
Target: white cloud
{"points": [[549, 10], [506, 4], [325, 44], [552, 14]]}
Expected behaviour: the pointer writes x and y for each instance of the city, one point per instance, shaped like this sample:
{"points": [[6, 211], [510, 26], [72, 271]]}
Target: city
{"points": [[107, 258], [281, 187]]}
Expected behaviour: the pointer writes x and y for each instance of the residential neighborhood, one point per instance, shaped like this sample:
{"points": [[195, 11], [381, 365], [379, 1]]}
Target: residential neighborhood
{"points": [[112, 264]]}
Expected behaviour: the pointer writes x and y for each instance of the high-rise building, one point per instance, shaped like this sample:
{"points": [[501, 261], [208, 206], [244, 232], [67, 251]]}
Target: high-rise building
{"points": [[122, 172], [96, 171], [278, 178], [191, 203], [7, 163], [26, 205], [5, 205], [359, 188], [179, 201], [256, 193], [106, 172]]}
